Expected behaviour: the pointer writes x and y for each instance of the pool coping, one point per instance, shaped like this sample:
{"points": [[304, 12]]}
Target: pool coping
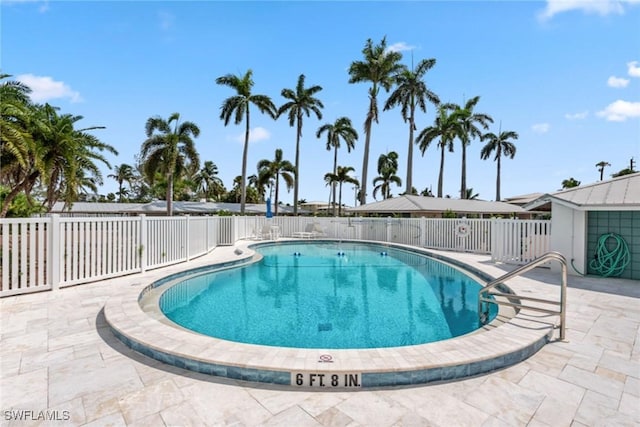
{"points": [[499, 345]]}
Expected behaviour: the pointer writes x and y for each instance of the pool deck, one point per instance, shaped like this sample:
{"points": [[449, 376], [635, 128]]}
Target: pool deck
{"points": [[58, 354]]}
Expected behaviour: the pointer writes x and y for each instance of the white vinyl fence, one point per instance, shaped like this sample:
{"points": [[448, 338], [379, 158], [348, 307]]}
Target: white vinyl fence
{"points": [[47, 253]]}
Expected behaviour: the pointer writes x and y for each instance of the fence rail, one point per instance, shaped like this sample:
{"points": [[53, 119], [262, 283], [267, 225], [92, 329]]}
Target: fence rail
{"points": [[40, 254]]}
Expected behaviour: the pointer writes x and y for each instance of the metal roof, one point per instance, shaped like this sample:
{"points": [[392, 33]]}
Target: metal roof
{"points": [[623, 191], [160, 207], [415, 204], [94, 207]]}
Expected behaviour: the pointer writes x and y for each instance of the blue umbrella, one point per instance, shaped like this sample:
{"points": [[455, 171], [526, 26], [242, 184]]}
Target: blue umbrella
{"points": [[269, 213]]}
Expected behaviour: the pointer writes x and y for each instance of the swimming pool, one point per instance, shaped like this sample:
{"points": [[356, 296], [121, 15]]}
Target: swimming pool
{"points": [[332, 295], [134, 318]]}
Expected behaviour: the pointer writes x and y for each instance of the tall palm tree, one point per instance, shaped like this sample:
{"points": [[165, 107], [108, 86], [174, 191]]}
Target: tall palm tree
{"points": [[446, 127], [387, 168], [379, 67], [301, 102], [207, 182], [469, 120], [341, 129], [237, 106], [601, 165], [411, 91], [502, 145], [270, 171], [340, 177], [122, 173], [170, 150]]}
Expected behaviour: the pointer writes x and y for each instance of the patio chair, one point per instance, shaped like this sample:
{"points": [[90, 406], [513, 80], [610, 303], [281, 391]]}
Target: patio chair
{"points": [[264, 232], [311, 231]]}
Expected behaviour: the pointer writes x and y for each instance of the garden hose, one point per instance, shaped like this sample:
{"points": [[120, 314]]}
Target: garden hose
{"points": [[610, 263]]}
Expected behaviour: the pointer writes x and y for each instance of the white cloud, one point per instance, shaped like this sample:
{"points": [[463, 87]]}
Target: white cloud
{"points": [[541, 127], [633, 69], [620, 111], [255, 135], [577, 116], [399, 47], [600, 7], [617, 82], [166, 20], [44, 88], [43, 4]]}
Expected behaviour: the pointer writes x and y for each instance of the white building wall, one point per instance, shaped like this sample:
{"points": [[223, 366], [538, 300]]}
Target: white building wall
{"points": [[569, 236]]}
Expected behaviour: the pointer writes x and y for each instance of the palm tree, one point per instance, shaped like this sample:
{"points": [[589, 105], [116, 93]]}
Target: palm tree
{"points": [[340, 177], [570, 183], [272, 170], [207, 181], [122, 173], [69, 157], [601, 165], [469, 120], [446, 127], [340, 129], [170, 150], [502, 145], [470, 195], [378, 67], [301, 102], [238, 107], [387, 168], [16, 142], [411, 92]]}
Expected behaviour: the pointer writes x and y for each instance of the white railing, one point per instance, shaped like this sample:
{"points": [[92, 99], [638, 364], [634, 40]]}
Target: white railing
{"points": [[46, 253], [519, 242], [25, 245]]}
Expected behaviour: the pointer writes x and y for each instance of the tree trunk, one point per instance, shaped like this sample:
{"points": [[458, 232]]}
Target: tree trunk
{"points": [[463, 179], [498, 181], [243, 185], [340, 201], [12, 195], [441, 174], [365, 160], [275, 206], [409, 183], [297, 172], [335, 173], [170, 194]]}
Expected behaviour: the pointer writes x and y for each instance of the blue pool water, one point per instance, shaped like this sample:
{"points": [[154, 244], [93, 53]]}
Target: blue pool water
{"points": [[328, 295]]}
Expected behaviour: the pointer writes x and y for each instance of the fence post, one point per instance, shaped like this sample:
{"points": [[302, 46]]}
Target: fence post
{"points": [[54, 251], [142, 250], [188, 240], [493, 228]]}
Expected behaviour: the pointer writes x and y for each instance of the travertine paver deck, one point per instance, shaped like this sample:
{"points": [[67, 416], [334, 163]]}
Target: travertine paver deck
{"points": [[57, 355]]}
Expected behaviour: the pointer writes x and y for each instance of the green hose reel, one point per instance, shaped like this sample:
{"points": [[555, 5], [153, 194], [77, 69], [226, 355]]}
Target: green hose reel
{"points": [[610, 262]]}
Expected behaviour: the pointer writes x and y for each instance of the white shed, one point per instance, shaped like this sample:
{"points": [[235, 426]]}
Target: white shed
{"points": [[581, 216]]}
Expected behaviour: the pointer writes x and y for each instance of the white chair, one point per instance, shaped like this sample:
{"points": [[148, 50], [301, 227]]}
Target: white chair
{"points": [[311, 231], [264, 232]]}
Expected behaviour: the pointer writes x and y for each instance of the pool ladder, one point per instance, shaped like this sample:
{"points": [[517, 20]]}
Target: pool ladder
{"points": [[518, 301]]}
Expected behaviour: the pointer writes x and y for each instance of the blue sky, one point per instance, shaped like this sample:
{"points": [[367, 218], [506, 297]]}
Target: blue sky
{"points": [[564, 75]]}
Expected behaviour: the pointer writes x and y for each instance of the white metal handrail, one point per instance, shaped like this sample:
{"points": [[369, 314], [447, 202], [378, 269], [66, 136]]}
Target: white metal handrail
{"points": [[484, 294]]}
